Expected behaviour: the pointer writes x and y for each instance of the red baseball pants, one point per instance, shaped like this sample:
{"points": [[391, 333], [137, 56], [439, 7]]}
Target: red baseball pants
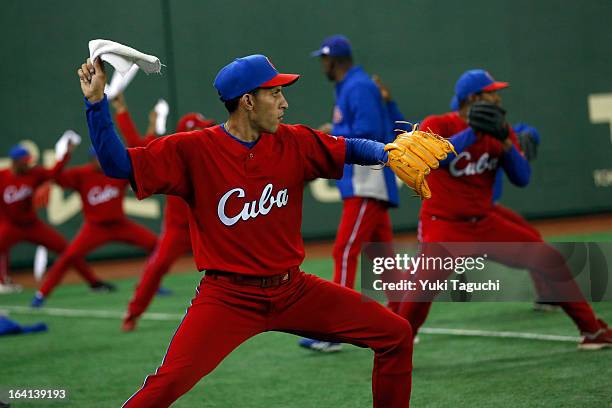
{"points": [[172, 243], [363, 220], [510, 215], [40, 233], [4, 267], [92, 236], [224, 314], [495, 228]]}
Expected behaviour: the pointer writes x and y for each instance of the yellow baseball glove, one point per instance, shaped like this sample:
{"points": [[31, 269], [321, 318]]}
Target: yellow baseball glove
{"points": [[412, 155]]}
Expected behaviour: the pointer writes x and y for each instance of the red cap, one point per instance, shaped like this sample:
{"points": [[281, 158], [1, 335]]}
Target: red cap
{"points": [[193, 120]]}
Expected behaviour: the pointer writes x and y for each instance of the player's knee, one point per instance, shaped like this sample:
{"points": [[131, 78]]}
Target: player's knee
{"points": [[401, 331]]}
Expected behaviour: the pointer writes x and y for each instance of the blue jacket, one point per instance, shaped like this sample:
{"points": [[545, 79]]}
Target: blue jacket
{"points": [[360, 112]]}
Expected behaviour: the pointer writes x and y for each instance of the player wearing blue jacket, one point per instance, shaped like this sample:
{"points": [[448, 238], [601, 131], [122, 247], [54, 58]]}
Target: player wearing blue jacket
{"points": [[367, 192]]}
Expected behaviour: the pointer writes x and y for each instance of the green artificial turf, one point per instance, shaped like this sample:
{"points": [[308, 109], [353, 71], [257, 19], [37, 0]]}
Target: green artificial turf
{"points": [[101, 367]]}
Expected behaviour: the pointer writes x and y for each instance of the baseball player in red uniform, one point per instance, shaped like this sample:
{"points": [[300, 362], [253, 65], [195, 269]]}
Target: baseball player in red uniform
{"points": [[105, 221], [174, 240], [484, 142], [17, 186], [6, 286], [243, 182]]}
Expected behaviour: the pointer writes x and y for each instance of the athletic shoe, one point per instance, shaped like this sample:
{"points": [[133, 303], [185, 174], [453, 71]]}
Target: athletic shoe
{"points": [[37, 301], [546, 306], [100, 286], [8, 288], [602, 338], [321, 346], [129, 323], [164, 292]]}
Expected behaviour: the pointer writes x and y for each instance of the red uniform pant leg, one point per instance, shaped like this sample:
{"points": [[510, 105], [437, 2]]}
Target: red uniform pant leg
{"points": [[172, 244], [135, 234], [543, 260], [216, 323], [360, 218], [343, 315], [383, 233], [4, 265], [416, 304], [9, 236], [54, 241], [87, 239], [540, 259], [513, 217]]}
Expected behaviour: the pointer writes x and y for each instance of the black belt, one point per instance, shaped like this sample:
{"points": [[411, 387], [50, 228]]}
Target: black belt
{"points": [[250, 280]]}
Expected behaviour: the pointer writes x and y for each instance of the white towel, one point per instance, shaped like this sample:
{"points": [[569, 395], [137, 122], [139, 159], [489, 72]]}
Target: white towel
{"points": [[40, 262], [61, 147], [162, 109], [122, 57], [119, 82]]}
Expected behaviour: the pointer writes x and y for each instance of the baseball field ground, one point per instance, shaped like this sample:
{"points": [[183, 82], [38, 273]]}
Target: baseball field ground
{"points": [[469, 355]]}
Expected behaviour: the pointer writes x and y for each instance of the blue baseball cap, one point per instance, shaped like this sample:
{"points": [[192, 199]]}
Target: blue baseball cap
{"points": [[334, 46], [245, 74], [18, 152], [474, 81]]}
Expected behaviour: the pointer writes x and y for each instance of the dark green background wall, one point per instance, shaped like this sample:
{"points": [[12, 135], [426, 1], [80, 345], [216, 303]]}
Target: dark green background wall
{"points": [[554, 54]]}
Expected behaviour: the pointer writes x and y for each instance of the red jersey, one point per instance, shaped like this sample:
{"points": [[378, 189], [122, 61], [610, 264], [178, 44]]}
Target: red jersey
{"points": [[246, 204], [176, 211], [102, 196], [17, 191], [464, 189]]}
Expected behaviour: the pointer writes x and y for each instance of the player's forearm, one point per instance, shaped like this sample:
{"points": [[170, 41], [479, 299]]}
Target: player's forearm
{"points": [[59, 166], [516, 167], [112, 155], [460, 141], [365, 152]]}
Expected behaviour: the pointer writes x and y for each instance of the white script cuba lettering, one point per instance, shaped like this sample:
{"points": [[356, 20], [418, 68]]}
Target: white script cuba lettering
{"points": [[483, 164], [252, 209], [12, 194], [97, 195]]}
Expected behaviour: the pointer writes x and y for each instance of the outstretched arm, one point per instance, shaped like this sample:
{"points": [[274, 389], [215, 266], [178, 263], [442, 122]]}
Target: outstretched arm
{"points": [[111, 153]]}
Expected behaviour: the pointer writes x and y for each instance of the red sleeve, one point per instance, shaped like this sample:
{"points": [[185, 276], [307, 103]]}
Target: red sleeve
{"points": [[69, 178], [161, 167], [148, 138], [44, 174], [323, 154], [434, 124], [128, 130]]}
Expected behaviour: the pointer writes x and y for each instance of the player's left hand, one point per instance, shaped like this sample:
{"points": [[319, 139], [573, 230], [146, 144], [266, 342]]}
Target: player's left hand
{"points": [[412, 155], [490, 119]]}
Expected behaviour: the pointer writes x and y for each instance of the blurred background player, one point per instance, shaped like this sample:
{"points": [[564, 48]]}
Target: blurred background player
{"points": [[484, 143], [6, 286], [17, 186], [367, 193], [529, 140], [104, 222], [174, 240]]}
